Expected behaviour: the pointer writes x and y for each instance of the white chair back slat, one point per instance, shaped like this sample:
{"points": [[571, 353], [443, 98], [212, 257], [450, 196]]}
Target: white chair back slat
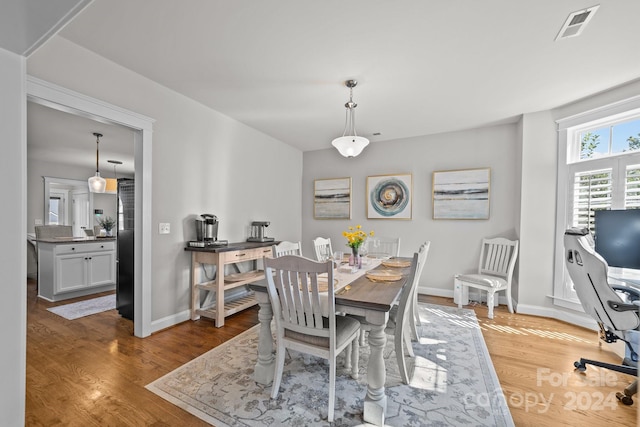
{"points": [[286, 248], [497, 257], [299, 297], [322, 248], [383, 246]]}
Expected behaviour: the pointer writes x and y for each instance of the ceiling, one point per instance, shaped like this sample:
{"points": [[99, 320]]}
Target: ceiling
{"points": [[423, 67], [59, 137]]}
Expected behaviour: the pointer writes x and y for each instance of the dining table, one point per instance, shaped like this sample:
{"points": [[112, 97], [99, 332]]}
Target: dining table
{"points": [[355, 294]]}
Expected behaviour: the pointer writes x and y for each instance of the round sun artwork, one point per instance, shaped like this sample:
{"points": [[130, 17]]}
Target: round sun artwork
{"points": [[389, 197]]}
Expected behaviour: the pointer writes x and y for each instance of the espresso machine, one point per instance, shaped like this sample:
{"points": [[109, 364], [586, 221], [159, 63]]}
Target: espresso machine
{"points": [[257, 233], [207, 232]]}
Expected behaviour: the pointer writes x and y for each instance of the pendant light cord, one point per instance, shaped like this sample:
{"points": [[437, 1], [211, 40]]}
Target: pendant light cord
{"points": [[97, 154], [97, 135]]}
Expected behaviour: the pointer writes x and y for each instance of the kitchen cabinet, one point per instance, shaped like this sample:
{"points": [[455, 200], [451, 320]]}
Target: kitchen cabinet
{"points": [[69, 268], [208, 296]]}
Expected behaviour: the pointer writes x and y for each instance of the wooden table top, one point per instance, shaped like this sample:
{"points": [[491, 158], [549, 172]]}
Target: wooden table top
{"points": [[364, 293], [238, 246]]}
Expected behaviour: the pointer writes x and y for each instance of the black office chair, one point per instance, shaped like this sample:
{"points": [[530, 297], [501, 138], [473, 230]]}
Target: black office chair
{"points": [[614, 307]]}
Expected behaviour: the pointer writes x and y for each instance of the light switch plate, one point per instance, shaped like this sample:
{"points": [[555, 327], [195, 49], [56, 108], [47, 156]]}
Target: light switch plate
{"points": [[164, 228]]}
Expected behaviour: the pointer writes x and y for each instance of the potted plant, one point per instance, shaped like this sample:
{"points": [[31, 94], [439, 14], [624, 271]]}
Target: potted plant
{"points": [[107, 223]]}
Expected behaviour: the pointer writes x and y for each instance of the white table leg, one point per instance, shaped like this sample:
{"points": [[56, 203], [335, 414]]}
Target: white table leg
{"points": [[265, 366], [375, 403]]}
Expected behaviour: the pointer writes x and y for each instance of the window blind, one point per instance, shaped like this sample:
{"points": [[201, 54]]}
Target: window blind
{"points": [[591, 192], [632, 187]]}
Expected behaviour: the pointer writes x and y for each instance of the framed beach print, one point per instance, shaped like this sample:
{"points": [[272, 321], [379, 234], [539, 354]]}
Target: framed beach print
{"points": [[461, 194], [389, 196], [332, 198]]}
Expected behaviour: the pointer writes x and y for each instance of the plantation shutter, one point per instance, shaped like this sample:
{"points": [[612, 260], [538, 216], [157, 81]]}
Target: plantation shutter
{"points": [[632, 188], [592, 192]]}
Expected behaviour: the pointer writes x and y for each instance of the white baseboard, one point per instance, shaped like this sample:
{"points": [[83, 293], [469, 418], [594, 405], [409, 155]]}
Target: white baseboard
{"points": [[167, 322], [577, 319]]}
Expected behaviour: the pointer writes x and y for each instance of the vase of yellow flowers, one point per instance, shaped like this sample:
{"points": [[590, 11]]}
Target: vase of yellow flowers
{"points": [[355, 238]]}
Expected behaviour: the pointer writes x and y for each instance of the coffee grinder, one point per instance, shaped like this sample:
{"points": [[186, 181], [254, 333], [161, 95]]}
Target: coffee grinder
{"points": [[257, 232]]}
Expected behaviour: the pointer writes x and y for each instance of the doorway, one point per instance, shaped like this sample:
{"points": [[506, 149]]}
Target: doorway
{"points": [[59, 98]]}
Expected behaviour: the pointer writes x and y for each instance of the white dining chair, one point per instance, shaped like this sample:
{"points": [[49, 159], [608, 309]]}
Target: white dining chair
{"points": [[400, 316], [322, 248], [495, 272], [286, 248], [414, 317], [293, 286], [382, 247]]}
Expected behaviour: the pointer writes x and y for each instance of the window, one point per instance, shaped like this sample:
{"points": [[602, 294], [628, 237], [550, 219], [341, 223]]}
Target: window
{"points": [[598, 168], [54, 210], [604, 141], [58, 206]]}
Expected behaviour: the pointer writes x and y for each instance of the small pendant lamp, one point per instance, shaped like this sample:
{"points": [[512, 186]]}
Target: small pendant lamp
{"points": [[97, 184], [350, 144]]}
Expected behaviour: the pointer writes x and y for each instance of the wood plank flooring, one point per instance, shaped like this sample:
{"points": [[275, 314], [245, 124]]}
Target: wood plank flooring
{"points": [[92, 371]]}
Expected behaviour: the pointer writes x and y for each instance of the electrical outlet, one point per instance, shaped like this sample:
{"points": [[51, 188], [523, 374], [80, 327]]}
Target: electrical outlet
{"points": [[164, 228], [38, 222]]}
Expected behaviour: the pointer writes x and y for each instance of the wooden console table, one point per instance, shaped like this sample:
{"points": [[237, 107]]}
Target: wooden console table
{"points": [[214, 305]]}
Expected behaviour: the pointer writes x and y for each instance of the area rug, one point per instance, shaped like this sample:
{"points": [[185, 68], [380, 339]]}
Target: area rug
{"points": [[88, 307], [453, 383]]}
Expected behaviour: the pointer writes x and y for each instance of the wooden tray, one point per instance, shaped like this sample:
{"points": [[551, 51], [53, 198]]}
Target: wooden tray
{"points": [[383, 276], [396, 263]]}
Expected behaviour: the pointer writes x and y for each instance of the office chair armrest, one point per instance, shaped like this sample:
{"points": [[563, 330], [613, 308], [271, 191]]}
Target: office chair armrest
{"points": [[618, 306]]}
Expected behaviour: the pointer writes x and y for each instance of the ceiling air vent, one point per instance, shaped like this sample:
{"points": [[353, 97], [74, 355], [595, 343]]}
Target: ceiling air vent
{"points": [[575, 23]]}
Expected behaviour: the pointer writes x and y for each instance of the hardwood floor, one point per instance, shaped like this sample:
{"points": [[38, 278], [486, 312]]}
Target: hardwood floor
{"points": [[92, 371]]}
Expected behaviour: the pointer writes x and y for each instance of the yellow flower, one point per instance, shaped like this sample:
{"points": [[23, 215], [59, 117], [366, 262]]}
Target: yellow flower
{"points": [[355, 236]]}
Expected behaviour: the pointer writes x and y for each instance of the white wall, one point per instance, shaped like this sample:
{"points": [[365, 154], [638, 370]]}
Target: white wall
{"points": [[537, 210], [455, 244], [203, 162], [13, 292]]}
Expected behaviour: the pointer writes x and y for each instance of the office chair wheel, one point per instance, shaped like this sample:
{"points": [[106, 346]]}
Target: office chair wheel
{"points": [[627, 400], [580, 366]]}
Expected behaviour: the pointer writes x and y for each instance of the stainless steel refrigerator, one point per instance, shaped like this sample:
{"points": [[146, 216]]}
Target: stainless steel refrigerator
{"points": [[125, 244]]}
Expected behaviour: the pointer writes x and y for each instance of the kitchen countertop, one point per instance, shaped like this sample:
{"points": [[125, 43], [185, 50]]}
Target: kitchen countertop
{"points": [[63, 240]]}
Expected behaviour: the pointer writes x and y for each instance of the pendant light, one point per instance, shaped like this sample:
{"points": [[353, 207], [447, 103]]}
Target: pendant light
{"points": [[112, 183], [97, 184], [350, 144]]}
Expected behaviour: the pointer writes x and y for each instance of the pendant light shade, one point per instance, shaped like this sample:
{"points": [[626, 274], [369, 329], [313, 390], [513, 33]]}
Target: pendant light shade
{"points": [[350, 144], [97, 184], [112, 183]]}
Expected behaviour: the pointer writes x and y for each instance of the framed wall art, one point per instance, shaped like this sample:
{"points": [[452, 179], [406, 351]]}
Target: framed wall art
{"points": [[389, 196], [332, 198], [461, 194]]}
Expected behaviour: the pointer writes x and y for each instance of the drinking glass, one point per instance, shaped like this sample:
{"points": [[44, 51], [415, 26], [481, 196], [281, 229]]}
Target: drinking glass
{"points": [[337, 258], [363, 251]]}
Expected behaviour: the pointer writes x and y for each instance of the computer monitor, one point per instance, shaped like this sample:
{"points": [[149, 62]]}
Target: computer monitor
{"points": [[617, 237]]}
